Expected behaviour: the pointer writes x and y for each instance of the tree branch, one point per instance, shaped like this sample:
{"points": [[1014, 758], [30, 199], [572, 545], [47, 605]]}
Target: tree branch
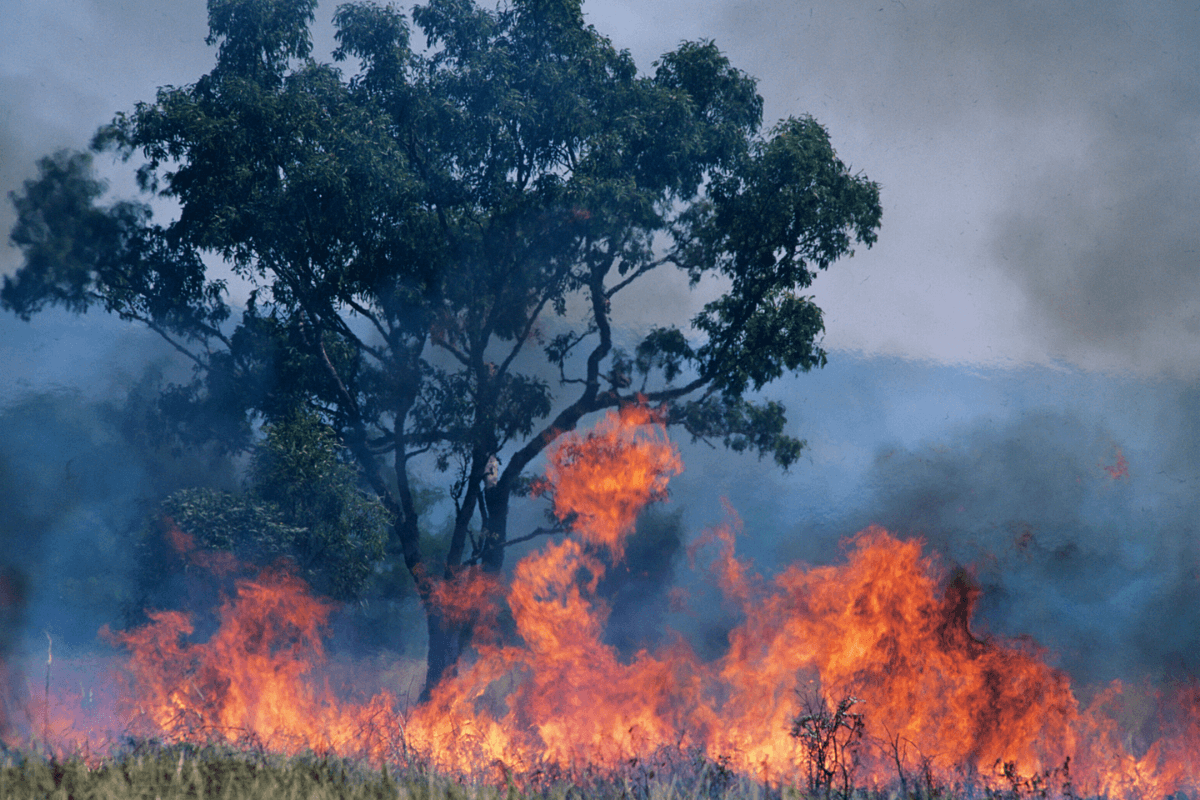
{"points": [[637, 273], [350, 301], [524, 335], [557, 529], [149, 323], [459, 355]]}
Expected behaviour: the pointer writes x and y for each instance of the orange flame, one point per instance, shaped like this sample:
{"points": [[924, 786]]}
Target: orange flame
{"points": [[601, 481], [473, 597], [215, 562], [250, 682], [889, 628], [1120, 469]]}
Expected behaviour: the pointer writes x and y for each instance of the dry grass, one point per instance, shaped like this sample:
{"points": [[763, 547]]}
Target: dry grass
{"points": [[182, 773], [177, 773], [152, 772]]}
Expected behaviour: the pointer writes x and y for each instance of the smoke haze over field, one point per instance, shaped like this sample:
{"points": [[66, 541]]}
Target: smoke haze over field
{"points": [[1039, 170], [1056, 489], [1007, 472]]}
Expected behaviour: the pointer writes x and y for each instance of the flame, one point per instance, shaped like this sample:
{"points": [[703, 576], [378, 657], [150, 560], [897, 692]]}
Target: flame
{"points": [[212, 562], [886, 635], [1120, 469], [471, 598], [250, 682], [602, 480]]}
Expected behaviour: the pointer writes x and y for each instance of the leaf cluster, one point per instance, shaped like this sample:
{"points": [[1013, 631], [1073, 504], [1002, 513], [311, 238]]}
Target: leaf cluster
{"points": [[78, 254], [303, 505]]}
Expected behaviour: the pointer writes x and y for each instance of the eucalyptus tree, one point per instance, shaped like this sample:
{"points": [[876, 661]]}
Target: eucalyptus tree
{"points": [[436, 245]]}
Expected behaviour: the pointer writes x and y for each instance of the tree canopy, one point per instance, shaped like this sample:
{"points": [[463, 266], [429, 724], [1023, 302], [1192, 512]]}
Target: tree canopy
{"points": [[436, 238]]}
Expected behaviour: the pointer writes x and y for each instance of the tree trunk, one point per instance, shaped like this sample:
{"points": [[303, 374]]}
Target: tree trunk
{"points": [[446, 643], [449, 640], [494, 538]]}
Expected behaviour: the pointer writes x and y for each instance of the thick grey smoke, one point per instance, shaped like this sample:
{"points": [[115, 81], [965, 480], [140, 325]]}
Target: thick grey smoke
{"points": [[1104, 239], [85, 461], [1044, 153], [1072, 542], [80, 473]]}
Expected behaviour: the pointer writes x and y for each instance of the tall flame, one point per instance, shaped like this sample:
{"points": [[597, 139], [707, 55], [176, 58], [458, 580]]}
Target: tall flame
{"points": [[602, 480], [887, 633], [249, 683]]}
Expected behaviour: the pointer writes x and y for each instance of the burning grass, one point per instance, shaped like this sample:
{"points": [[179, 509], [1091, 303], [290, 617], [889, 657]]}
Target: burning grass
{"points": [[898, 694]]}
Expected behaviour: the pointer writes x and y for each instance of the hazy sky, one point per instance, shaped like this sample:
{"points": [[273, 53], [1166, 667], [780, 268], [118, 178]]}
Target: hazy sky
{"points": [[1038, 159]]}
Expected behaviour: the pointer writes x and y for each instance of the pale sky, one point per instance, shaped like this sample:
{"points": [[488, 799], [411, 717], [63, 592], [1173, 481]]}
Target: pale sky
{"points": [[1039, 161]]}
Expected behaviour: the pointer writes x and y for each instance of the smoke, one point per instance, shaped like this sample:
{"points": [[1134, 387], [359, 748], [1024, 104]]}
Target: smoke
{"points": [[1038, 159], [1043, 510], [1069, 497], [1039, 165], [79, 477], [1104, 239], [637, 587], [103, 57], [67, 66], [1044, 152]]}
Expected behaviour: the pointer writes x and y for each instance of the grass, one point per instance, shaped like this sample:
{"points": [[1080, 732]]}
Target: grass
{"points": [[207, 773], [180, 773], [154, 772]]}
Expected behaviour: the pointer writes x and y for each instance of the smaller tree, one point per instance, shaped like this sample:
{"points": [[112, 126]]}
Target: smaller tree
{"points": [[304, 473], [302, 504]]}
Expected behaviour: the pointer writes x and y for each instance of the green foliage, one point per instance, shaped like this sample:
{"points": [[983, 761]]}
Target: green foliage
{"points": [[303, 504], [741, 426], [300, 469], [792, 207], [78, 254], [255, 37]]}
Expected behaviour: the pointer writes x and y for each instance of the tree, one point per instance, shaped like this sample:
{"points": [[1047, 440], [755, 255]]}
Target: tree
{"points": [[416, 232], [302, 504]]}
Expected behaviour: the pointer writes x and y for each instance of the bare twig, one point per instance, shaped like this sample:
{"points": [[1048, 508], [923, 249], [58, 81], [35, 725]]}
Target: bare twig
{"points": [[830, 739], [475, 556]]}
